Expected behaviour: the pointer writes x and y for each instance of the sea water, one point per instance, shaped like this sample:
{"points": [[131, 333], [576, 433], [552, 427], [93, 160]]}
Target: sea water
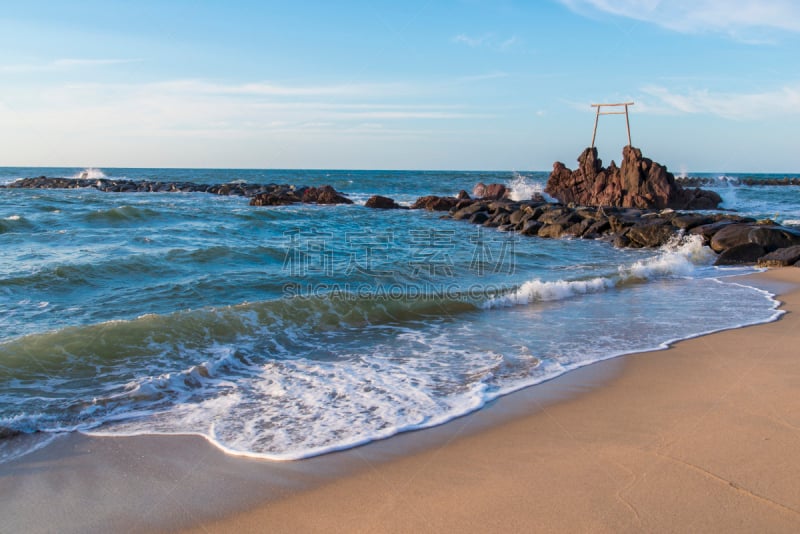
{"points": [[286, 332]]}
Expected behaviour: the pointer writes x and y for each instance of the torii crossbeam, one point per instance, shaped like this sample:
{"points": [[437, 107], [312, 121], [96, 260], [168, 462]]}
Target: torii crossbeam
{"points": [[599, 112]]}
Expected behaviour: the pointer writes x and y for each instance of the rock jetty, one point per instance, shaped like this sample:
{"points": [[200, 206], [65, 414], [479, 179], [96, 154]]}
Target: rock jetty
{"points": [[737, 240], [260, 194], [638, 183]]}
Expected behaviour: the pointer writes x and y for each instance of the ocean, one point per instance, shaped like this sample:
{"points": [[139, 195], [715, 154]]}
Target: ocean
{"points": [[288, 332]]}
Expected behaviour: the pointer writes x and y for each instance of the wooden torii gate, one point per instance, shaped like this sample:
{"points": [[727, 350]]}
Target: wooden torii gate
{"points": [[599, 112]]}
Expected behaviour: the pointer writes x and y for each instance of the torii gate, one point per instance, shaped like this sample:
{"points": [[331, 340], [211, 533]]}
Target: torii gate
{"points": [[597, 117]]}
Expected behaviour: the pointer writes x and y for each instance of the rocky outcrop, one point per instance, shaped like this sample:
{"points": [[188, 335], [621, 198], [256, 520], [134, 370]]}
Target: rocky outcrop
{"points": [[435, 203], [285, 195], [382, 203], [638, 183], [324, 195]]}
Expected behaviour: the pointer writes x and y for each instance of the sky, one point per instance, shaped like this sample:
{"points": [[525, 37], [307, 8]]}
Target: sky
{"points": [[417, 84]]}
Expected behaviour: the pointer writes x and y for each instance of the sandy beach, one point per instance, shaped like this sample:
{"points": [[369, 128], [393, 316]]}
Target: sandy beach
{"points": [[702, 437]]}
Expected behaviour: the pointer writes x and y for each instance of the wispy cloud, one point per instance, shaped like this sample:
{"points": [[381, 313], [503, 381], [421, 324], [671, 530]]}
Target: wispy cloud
{"points": [[737, 18], [64, 65], [488, 40], [739, 106]]}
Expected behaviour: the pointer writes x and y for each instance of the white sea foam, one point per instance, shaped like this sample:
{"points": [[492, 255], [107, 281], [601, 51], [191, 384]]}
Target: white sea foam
{"points": [[90, 173], [524, 188], [13, 218]]}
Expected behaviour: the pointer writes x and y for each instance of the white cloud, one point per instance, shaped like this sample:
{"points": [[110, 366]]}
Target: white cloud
{"points": [[741, 106], [735, 17]]}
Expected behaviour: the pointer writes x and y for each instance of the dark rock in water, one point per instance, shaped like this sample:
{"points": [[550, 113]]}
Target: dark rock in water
{"points": [[274, 199], [531, 228], [434, 203], [479, 217], [639, 182], [781, 257], [745, 253], [324, 195], [383, 203], [468, 211], [463, 195]]}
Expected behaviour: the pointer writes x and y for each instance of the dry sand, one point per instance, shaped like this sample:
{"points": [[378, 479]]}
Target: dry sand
{"points": [[703, 437]]}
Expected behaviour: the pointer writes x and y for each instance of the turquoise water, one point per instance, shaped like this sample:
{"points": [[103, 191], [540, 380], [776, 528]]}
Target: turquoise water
{"points": [[285, 332]]}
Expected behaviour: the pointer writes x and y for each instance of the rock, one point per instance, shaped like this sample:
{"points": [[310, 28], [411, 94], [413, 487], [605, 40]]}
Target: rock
{"points": [[434, 203], [382, 203], [479, 190], [324, 195], [652, 234], [274, 199], [551, 230], [690, 220], [530, 228], [730, 236], [489, 192], [781, 257], [479, 217], [745, 253], [463, 195], [774, 237], [467, 211], [638, 182]]}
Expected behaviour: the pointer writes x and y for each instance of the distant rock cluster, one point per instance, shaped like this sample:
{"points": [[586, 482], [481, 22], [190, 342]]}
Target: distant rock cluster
{"points": [[696, 181], [260, 194], [638, 183]]}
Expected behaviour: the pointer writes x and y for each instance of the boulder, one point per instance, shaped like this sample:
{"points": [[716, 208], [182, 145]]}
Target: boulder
{"points": [[382, 203], [781, 257], [745, 253], [489, 192], [730, 236], [774, 237], [324, 195], [654, 233], [639, 182]]}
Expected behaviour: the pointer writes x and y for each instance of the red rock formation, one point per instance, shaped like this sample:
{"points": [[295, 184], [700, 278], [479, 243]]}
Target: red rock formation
{"points": [[638, 183]]}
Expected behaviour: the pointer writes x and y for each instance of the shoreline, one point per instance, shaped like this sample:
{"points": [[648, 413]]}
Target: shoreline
{"points": [[537, 455]]}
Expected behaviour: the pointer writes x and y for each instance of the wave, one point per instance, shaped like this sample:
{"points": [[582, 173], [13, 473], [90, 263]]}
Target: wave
{"points": [[90, 173], [679, 257], [122, 214], [525, 188]]}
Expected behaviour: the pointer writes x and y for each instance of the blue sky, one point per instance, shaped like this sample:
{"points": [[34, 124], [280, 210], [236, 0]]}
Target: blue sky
{"points": [[447, 84]]}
